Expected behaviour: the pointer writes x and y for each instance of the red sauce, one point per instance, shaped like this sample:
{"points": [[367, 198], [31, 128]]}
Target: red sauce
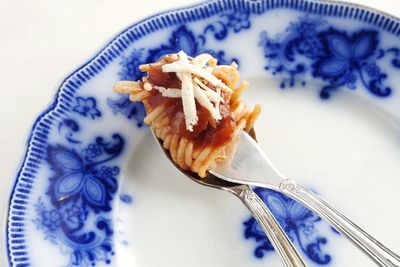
{"points": [[206, 131], [164, 79], [218, 136]]}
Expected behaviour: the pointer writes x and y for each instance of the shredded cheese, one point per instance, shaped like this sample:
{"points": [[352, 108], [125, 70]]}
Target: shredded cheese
{"points": [[203, 100], [196, 70], [169, 92], [202, 59], [212, 95], [188, 102], [217, 103], [193, 89]]}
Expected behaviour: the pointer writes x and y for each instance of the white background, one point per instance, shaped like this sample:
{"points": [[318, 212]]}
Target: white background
{"points": [[44, 40]]}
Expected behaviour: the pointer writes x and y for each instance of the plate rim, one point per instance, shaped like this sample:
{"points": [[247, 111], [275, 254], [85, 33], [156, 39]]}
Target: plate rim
{"points": [[59, 104]]}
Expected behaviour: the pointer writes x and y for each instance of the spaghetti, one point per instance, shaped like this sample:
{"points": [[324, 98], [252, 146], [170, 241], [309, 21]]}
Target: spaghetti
{"points": [[193, 105]]}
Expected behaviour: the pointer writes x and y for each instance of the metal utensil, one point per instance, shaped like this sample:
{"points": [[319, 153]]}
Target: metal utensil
{"points": [[287, 252], [249, 165]]}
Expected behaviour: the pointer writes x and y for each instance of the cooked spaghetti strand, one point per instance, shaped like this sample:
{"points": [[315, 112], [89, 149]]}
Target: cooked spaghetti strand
{"points": [[220, 114]]}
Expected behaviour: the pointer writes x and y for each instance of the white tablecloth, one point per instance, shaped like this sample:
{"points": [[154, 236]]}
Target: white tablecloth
{"points": [[42, 41]]}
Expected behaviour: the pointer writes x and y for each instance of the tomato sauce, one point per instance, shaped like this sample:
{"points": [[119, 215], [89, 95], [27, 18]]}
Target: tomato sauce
{"points": [[206, 132]]}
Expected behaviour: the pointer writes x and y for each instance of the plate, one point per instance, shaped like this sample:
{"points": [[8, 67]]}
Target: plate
{"points": [[94, 189]]}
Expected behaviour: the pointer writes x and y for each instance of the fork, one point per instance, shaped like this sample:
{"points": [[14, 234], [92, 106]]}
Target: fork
{"points": [[249, 165], [280, 241]]}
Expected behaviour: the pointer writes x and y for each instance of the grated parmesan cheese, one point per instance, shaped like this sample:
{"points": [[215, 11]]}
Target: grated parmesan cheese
{"points": [[217, 103], [193, 88], [188, 102], [169, 92], [202, 59], [203, 100], [212, 95], [196, 70]]}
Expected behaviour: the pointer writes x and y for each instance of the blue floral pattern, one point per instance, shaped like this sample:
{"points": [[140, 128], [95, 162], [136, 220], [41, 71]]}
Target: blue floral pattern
{"points": [[300, 224], [51, 219], [339, 58], [87, 107], [83, 186], [80, 193], [238, 21], [80, 176], [186, 40], [130, 72], [130, 65], [68, 128], [131, 110]]}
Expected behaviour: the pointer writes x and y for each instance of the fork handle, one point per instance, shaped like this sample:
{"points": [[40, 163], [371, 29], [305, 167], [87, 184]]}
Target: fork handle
{"points": [[373, 248], [278, 238]]}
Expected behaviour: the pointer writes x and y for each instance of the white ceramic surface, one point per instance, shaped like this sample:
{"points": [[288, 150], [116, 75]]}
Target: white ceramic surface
{"points": [[343, 148]]}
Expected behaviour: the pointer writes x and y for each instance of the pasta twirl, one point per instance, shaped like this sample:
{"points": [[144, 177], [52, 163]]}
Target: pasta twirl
{"points": [[194, 106]]}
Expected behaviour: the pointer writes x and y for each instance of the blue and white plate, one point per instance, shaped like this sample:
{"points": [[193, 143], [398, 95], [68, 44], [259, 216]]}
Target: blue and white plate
{"points": [[94, 190]]}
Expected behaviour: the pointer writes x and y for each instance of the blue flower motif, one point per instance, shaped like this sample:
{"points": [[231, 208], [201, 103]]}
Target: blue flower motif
{"points": [[299, 224], [51, 219], [184, 39], [87, 107], [350, 79], [337, 57], [372, 69], [108, 171], [78, 178], [281, 60], [130, 66], [75, 216], [92, 151], [344, 53], [238, 21], [181, 39], [80, 193], [132, 110], [271, 51], [130, 71], [303, 38], [307, 29]]}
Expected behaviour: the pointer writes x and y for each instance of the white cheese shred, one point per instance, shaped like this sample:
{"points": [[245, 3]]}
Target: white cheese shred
{"points": [[188, 101], [193, 88], [169, 92], [211, 94], [202, 59], [217, 103], [196, 70], [203, 100]]}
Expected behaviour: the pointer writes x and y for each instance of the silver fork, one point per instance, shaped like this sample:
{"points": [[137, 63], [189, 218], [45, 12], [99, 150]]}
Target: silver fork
{"points": [[286, 250], [249, 165]]}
